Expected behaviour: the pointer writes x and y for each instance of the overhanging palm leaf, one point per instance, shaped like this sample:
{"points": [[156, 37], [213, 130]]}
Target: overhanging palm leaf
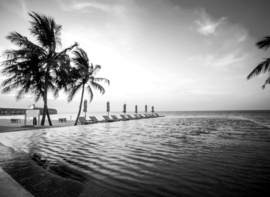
{"points": [[264, 66], [264, 43], [266, 82], [261, 68]]}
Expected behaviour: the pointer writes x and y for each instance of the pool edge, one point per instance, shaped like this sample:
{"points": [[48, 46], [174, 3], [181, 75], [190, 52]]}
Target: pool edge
{"points": [[10, 188]]}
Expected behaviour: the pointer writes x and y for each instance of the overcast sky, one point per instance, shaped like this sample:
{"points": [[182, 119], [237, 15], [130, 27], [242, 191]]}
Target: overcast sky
{"points": [[175, 55]]}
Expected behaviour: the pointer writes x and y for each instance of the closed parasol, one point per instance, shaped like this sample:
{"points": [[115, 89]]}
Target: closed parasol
{"points": [[136, 109], [153, 109], [108, 107], [125, 109], [85, 107], [145, 108]]}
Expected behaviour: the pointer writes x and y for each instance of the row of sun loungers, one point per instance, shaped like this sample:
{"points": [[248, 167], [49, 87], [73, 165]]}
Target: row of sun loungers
{"points": [[114, 118]]}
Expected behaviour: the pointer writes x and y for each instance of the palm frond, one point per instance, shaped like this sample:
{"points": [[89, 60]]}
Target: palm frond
{"points": [[99, 79], [264, 43], [23, 42], [266, 82], [90, 92], [63, 52], [97, 86], [73, 91], [20, 94], [37, 96], [261, 68], [46, 31], [96, 69], [80, 58]]}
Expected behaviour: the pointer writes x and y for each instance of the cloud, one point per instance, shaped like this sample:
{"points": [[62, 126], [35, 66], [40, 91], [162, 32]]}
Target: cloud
{"points": [[205, 25], [226, 60], [113, 22], [88, 6], [19, 7], [219, 61]]}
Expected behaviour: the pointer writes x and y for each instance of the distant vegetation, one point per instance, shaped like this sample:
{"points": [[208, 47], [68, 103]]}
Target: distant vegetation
{"points": [[264, 66], [37, 68]]}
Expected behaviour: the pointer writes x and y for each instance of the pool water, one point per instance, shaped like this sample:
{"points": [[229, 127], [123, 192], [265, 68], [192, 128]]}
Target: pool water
{"points": [[170, 156]]}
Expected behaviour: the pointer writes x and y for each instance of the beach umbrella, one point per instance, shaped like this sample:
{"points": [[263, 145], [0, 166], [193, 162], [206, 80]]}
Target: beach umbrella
{"points": [[153, 109], [108, 107], [125, 110], [136, 109], [85, 107], [145, 108]]}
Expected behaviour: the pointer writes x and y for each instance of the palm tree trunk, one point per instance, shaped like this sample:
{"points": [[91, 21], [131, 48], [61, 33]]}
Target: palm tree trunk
{"points": [[45, 99], [48, 116], [44, 108], [80, 108]]}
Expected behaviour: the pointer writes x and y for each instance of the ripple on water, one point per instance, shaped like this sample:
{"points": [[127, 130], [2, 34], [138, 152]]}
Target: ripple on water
{"points": [[172, 156]]}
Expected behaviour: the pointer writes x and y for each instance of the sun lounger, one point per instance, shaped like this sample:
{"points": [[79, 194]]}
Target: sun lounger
{"points": [[83, 121], [130, 117], [124, 117], [93, 118], [114, 117], [152, 116], [146, 116], [136, 116], [159, 115], [107, 118], [141, 116]]}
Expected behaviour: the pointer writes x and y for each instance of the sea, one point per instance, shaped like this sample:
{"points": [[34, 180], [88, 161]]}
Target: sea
{"points": [[185, 153]]}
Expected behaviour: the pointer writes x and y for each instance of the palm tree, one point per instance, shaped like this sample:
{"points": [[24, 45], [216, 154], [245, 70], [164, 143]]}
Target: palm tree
{"points": [[83, 76], [39, 62], [264, 66]]}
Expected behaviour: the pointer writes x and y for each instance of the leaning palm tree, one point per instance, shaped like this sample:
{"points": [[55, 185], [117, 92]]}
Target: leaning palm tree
{"points": [[41, 59], [264, 66], [83, 76]]}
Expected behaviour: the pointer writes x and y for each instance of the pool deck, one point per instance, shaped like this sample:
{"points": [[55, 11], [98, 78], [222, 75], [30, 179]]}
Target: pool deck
{"points": [[10, 188]]}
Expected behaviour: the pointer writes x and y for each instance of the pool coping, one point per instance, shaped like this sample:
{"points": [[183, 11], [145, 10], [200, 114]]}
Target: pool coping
{"points": [[10, 188]]}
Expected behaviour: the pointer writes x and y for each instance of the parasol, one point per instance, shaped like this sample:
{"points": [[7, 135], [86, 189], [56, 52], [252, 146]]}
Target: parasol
{"points": [[125, 110], [85, 107], [108, 107]]}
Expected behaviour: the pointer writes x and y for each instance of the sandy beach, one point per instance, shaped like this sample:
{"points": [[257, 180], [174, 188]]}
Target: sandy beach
{"points": [[7, 126]]}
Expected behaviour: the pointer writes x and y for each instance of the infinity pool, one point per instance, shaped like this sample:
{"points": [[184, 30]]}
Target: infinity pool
{"points": [[171, 156]]}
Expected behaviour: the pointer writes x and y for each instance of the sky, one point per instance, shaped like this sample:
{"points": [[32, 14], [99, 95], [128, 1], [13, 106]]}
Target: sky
{"points": [[175, 55]]}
